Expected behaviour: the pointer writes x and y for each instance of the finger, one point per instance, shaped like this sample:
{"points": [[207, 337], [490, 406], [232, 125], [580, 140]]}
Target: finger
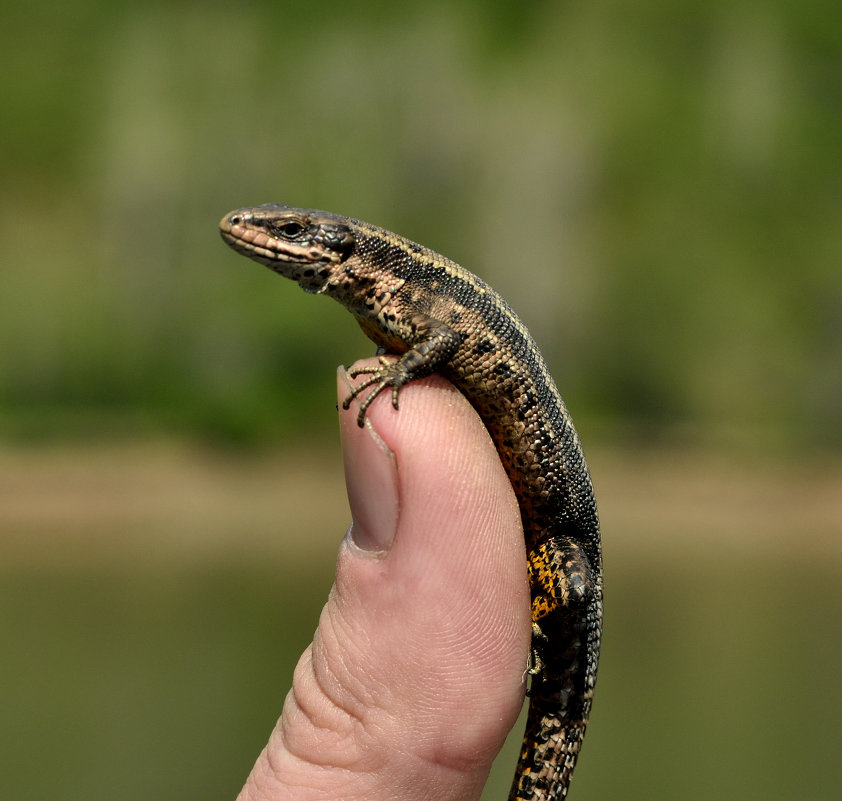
{"points": [[416, 671]]}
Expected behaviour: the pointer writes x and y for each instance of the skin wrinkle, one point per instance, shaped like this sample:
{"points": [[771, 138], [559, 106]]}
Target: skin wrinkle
{"points": [[348, 695], [329, 703], [311, 702], [464, 767], [356, 739]]}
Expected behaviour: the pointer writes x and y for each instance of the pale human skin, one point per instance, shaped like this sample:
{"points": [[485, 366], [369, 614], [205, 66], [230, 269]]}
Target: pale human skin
{"points": [[416, 671]]}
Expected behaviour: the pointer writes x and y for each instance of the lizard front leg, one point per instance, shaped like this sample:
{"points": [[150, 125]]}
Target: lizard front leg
{"points": [[432, 345]]}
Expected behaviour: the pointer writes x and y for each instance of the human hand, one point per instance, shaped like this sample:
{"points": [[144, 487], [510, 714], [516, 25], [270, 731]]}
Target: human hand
{"points": [[416, 671]]}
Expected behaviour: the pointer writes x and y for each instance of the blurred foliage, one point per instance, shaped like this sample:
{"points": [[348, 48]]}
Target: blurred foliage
{"points": [[166, 685], [655, 187], [118, 676]]}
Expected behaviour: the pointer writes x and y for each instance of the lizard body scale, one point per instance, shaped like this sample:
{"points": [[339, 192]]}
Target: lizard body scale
{"points": [[438, 317]]}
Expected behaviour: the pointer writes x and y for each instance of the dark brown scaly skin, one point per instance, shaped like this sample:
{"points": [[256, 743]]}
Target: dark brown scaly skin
{"points": [[438, 317]]}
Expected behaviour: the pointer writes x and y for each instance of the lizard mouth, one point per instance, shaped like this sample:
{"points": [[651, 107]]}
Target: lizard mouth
{"points": [[249, 237], [261, 246], [237, 240]]}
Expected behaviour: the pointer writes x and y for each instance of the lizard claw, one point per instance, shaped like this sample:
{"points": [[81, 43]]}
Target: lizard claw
{"points": [[388, 374]]}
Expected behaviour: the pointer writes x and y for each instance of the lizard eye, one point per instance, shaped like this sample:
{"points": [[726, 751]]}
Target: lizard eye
{"points": [[291, 229]]}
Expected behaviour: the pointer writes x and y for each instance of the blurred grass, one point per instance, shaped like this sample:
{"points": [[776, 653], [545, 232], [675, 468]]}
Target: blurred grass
{"points": [[154, 599], [134, 687]]}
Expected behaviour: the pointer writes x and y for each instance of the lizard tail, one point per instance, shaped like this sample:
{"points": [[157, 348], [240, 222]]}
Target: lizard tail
{"points": [[565, 654]]}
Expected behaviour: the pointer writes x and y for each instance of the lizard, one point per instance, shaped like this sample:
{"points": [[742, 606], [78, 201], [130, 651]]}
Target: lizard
{"points": [[436, 316]]}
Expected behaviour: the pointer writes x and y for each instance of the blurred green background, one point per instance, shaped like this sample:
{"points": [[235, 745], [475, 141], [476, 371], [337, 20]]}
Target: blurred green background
{"points": [[655, 187]]}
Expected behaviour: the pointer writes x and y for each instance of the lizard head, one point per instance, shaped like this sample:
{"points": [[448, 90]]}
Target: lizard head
{"points": [[302, 244]]}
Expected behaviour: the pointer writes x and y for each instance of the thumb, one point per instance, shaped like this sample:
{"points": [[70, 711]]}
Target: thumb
{"points": [[415, 674]]}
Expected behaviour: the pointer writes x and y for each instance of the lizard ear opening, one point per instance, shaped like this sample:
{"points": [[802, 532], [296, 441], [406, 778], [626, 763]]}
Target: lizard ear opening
{"points": [[339, 239]]}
